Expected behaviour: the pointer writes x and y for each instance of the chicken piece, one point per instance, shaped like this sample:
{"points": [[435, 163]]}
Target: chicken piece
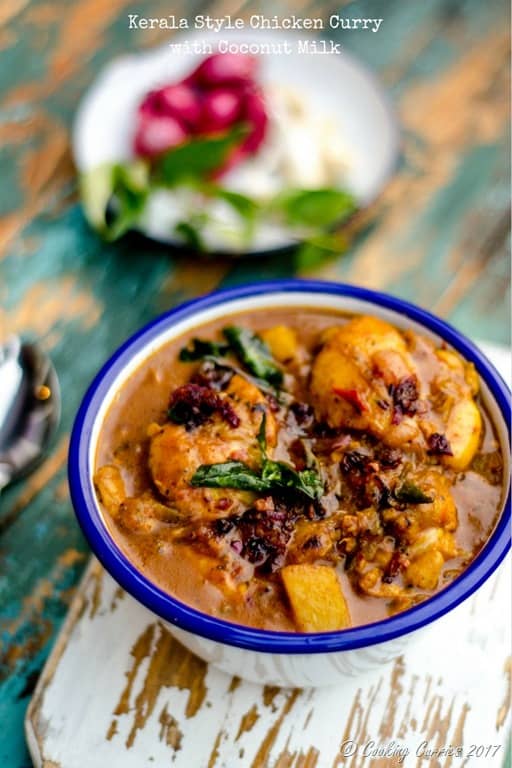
{"points": [[430, 539], [383, 589], [313, 540], [176, 453], [230, 576], [456, 363], [450, 358], [352, 375], [109, 488], [369, 580], [315, 595], [425, 570], [428, 553], [144, 514], [141, 514]]}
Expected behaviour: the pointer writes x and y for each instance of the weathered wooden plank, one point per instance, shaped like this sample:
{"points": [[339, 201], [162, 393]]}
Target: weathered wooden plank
{"points": [[442, 221], [144, 699], [435, 233]]}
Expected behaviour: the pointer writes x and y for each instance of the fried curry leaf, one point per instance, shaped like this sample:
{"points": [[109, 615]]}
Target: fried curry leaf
{"points": [[264, 386], [248, 348], [278, 475], [254, 354], [409, 493], [228, 474], [261, 437], [198, 349], [274, 475]]}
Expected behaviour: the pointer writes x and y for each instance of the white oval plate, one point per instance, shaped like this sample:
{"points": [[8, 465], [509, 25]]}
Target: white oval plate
{"points": [[336, 85]]}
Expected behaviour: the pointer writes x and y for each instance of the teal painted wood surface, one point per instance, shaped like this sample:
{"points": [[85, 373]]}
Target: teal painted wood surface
{"points": [[438, 236]]}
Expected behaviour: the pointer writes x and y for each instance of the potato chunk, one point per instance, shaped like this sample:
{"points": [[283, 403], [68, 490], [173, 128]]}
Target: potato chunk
{"points": [[282, 342], [463, 432], [315, 595]]}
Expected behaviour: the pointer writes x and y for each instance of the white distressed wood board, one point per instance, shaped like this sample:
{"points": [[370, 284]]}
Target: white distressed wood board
{"points": [[118, 690]]}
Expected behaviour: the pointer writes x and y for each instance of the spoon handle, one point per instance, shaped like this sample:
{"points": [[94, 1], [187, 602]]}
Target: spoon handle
{"points": [[5, 475]]}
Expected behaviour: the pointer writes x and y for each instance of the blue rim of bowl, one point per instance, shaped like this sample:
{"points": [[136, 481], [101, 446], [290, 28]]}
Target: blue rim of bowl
{"points": [[187, 618]]}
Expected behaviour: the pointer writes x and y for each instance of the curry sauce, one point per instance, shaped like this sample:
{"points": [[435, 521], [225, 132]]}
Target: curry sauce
{"points": [[300, 470]]}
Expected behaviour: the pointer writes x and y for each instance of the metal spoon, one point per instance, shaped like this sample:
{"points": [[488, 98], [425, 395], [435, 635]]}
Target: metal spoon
{"points": [[29, 407]]}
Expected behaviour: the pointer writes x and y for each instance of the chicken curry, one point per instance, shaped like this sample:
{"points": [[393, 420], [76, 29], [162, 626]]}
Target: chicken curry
{"points": [[300, 470]]}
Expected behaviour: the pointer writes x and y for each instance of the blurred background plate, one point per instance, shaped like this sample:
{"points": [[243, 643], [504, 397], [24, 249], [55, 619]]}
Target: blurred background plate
{"points": [[336, 85]]}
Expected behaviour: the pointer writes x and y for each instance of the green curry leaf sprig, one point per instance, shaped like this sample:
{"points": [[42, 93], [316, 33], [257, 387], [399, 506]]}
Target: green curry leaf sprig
{"points": [[252, 352], [249, 349], [198, 349], [410, 493], [273, 476]]}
